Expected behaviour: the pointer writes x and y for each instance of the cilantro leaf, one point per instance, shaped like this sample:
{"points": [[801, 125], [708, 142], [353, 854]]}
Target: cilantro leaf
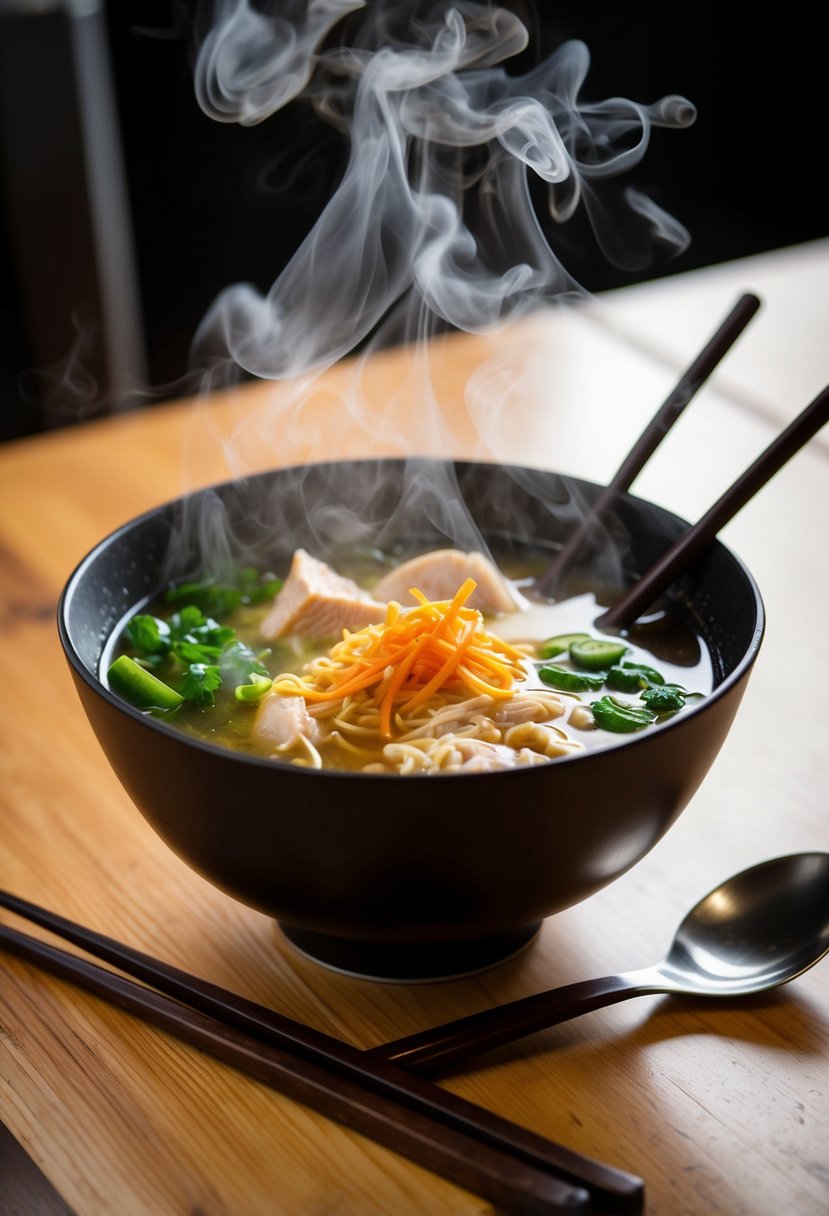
{"points": [[200, 683], [665, 700], [239, 662], [148, 634], [221, 598], [197, 638], [183, 622]]}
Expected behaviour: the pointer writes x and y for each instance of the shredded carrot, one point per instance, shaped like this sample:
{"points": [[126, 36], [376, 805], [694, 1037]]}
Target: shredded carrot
{"points": [[416, 652]]}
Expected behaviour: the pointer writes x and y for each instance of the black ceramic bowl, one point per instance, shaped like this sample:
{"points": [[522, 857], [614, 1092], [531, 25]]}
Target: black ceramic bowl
{"points": [[404, 877]]}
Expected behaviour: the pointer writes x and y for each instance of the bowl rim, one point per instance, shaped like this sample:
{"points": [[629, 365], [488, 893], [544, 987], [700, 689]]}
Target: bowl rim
{"points": [[97, 686]]}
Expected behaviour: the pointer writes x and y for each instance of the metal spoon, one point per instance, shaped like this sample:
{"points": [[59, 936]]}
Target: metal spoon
{"points": [[759, 929]]}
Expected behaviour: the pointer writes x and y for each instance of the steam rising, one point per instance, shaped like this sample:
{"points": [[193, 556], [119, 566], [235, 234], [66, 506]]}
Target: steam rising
{"points": [[68, 389], [435, 214], [436, 222], [252, 64]]}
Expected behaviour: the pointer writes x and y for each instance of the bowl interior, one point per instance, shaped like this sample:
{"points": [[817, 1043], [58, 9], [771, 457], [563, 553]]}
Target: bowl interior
{"points": [[402, 506]]}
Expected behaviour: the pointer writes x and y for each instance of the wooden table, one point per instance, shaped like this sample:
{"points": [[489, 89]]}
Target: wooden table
{"points": [[720, 1107]]}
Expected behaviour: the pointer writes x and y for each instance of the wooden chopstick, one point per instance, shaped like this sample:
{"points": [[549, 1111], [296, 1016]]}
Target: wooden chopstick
{"points": [[490, 1172], [691, 380], [610, 1190], [689, 544]]}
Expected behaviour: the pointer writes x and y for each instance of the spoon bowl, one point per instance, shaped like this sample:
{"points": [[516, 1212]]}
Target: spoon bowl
{"points": [[756, 931]]}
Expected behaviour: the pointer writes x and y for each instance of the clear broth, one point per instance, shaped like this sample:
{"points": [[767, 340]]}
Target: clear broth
{"points": [[665, 641]]}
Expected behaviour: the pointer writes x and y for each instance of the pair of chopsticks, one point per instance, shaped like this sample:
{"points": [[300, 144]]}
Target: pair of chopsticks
{"points": [[671, 409], [679, 556], [514, 1168], [689, 545]]}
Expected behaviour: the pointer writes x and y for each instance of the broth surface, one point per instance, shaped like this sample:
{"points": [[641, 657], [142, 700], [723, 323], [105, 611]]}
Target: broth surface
{"points": [[663, 642]]}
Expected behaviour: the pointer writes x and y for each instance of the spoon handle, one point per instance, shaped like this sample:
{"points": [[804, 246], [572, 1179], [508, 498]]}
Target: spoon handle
{"points": [[442, 1046]]}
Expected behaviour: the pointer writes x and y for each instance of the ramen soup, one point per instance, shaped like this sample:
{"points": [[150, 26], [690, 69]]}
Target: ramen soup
{"points": [[440, 664]]}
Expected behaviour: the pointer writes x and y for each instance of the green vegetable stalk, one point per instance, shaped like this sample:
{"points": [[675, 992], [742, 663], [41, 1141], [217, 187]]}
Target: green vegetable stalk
{"points": [[141, 687]]}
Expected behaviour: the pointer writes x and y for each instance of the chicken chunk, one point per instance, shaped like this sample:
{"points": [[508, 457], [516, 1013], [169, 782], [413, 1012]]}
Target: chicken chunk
{"points": [[439, 574], [316, 602], [281, 720]]}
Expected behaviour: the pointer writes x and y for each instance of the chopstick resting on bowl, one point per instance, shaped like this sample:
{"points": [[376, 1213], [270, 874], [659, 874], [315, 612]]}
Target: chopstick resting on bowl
{"points": [[667, 568], [480, 1151], [686, 387]]}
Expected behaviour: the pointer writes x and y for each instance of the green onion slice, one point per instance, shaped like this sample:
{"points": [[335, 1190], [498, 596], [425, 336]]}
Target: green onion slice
{"points": [[560, 644], [597, 654], [255, 690], [140, 686]]}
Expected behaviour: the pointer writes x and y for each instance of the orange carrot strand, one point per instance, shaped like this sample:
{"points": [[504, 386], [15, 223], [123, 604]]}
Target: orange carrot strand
{"points": [[417, 652]]}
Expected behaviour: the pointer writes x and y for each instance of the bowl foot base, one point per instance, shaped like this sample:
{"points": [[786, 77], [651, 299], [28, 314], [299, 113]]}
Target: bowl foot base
{"points": [[407, 963]]}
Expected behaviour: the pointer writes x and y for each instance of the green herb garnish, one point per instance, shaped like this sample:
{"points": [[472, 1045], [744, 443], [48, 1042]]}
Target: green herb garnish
{"points": [[665, 700], [632, 677], [148, 634], [200, 683], [219, 599], [197, 652], [567, 680], [619, 716], [622, 680], [651, 675], [238, 662]]}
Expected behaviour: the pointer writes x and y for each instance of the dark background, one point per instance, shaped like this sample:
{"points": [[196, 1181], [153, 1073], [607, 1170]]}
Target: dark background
{"points": [[211, 204]]}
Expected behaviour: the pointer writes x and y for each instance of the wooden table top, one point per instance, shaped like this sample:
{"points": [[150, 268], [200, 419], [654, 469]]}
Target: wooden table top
{"points": [[720, 1107]]}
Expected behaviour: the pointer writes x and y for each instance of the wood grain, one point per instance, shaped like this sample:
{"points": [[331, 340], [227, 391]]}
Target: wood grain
{"points": [[721, 1107]]}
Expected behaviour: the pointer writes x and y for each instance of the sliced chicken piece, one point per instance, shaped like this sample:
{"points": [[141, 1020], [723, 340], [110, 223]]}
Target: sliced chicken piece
{"points": [[281, 720], [440, 573], [316, 602]]}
